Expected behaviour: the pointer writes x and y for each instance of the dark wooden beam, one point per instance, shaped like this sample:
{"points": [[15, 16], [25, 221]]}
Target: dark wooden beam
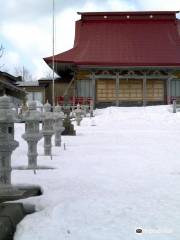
{"points": [[168, 87], [93, 88], [144, 90], [131, 77], [117, 89]]}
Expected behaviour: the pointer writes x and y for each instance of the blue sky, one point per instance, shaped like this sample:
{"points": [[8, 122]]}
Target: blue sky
{"points": [[26, 27]]}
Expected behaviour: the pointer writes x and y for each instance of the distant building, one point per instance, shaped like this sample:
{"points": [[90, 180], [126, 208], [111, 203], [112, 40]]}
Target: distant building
{"points": [[34, 90], [41, 90], [123, 58], [8, 86]]}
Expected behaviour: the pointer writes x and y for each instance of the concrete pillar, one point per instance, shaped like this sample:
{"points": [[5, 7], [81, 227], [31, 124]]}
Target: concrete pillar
{"points": [[5, 168], [32, 154], [47, 145]]}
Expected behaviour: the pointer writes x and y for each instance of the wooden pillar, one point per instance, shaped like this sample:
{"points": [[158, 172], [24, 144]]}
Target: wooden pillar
{"points": [[144, 91], [74, 84], [117, 89], [93, 88], [168, 87], [44, 96]]}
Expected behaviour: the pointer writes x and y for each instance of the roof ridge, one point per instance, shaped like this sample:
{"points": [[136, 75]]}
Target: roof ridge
{"points": [[128, 12]]}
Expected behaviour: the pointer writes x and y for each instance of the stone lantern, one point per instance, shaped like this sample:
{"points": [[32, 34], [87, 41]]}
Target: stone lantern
{"points": [[9, 192], [78, 112], [58, 124], [47, 129], [69, 127], [7, 142], [32, 134], [84, 109]]}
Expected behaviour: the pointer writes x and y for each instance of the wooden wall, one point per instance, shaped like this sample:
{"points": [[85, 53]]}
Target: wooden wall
{"points": [[155, 90], [130, 90], [175, 88], [82, 75], [59, 90], [105, 90]]}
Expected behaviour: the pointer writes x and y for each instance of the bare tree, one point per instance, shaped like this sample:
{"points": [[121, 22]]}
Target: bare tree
{"points": [[49, 74], [1, 54], [24, 72]]}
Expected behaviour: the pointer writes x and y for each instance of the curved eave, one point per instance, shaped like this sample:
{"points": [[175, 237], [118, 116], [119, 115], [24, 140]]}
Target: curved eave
{"points": [[62, 68], [63, 61], [128, 64], [69, 66]]}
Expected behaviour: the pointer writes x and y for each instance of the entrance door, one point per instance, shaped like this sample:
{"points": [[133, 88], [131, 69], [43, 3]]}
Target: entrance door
{"points": [[155, 90], [105, 90], [131, 90]]}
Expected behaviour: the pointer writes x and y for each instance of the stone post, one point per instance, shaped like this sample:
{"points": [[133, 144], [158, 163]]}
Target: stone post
{"points": [[91, 108], [7, 142], [58, 125], [47, 129], [32, 134], [78, 112], [174, 106]]}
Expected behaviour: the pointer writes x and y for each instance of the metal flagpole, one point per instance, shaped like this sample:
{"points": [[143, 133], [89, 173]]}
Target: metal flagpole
{"points": [[53, 94]]}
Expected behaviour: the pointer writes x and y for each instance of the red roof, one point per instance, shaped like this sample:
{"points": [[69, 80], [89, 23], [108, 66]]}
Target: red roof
{"points": [[125, 39]]}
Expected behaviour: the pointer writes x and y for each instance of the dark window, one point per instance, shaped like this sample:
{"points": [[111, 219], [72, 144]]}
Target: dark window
{"points": [[10, 130]]}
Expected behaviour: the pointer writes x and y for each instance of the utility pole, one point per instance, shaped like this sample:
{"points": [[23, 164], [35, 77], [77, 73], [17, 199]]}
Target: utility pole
{"points": [[53, 94]]}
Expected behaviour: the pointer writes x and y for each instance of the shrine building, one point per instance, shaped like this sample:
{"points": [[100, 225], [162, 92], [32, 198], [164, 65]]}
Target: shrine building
{"points": [[123, 58]]}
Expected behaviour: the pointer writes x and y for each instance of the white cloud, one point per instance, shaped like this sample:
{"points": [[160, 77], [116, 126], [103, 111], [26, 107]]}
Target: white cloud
{"points": [[90, 6], [64, 30], [10, 60], [40, 68], [116, 5], [27, 37], [33, 40], [167, 5]]}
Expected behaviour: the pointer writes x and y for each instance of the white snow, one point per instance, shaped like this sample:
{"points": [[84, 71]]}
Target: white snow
{"points": [[114, 177]]}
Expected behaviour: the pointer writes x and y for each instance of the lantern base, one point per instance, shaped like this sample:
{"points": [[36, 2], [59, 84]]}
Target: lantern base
{"points": [[15, 192], [33, 168]]}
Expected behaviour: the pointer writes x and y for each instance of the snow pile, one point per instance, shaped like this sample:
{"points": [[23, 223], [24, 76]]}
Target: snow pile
{"points": [[118, 174]]}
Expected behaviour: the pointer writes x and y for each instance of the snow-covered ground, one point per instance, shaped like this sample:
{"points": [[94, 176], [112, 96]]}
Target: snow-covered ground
{"points": [[114, 177]]}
